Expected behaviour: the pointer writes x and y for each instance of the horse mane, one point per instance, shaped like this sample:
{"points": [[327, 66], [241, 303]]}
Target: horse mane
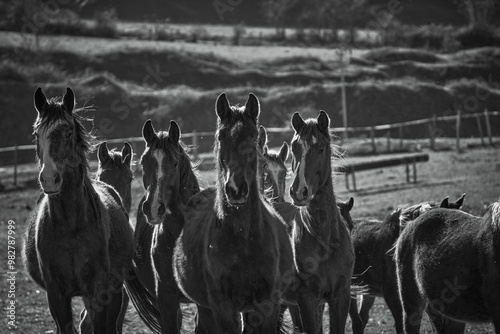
{"points": [[492, 216], [55, 111], [411, 212]]}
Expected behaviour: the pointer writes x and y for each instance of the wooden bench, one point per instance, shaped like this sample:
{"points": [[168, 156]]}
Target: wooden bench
{"points": [[407, 160]]}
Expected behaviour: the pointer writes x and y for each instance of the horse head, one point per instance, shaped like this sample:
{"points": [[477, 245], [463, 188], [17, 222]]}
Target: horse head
{"points": [[236, 148], [311, 157], [160, 170]]}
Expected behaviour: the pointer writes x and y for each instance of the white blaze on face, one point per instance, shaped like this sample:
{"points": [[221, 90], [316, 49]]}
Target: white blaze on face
{"points": [[159, 155], [49, 167], [230, 181], [302, 166]]}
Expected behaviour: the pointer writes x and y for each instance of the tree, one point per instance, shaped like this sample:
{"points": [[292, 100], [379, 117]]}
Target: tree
{"points": [[478, 12], [275, 11]]}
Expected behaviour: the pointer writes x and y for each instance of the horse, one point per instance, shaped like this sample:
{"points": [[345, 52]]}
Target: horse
{"points": [[169, 180], [234, 254], [79, 241], [323, 251], [448, 263], [114, 168], [374, 266], [272, 168]]}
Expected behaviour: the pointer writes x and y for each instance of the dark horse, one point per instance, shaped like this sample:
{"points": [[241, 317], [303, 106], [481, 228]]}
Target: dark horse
{"points": [[114, 168], [234, 254], [272, 168], [448, 262], [374, 266], [324, 255], [169, 180], [79, 242]]}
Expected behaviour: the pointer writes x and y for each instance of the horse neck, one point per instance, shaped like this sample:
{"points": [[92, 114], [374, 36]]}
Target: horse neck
{"points": [[189, 184], [70, 206], [322, 209], [243, 218]]}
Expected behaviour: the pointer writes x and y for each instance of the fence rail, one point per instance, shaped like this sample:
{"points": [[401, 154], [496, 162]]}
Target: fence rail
{"points": [[432, 121]]}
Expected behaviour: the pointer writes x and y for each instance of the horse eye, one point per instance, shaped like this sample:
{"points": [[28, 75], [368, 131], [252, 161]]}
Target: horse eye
{"points": [[265, 166], [69, 134]]}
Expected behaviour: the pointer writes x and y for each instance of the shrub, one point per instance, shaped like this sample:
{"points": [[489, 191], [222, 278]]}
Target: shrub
{"points": [[477, 36]]}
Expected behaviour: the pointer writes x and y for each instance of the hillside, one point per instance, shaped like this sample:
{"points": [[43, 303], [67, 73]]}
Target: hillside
{"points": [[250, 12], [129, 83]]}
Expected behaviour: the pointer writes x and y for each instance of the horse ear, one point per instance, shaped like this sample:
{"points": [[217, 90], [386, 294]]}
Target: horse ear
{"points": [[297, 122], [69, 100], [323, 121], [40, 100], [148, 132], [252, 107], [284, 151], [127, 154], [350, 204], [174, 133], [445, 203], [222, 106], [102, 153], [262, 139], [458, 203]]}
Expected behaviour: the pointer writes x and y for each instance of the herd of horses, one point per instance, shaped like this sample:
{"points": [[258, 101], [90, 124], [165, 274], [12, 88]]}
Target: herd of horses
{"points": [[238, 250]]}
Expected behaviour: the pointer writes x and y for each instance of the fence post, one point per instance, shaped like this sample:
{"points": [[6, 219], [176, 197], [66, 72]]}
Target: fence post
{"points": [[15, 164], [488, 126], [194, 142], [432, 132], [372, 135], [458, 130], [480, 128]]}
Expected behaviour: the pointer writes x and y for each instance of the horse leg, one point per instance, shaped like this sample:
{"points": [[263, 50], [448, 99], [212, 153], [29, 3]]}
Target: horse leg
{"points": [[263, 320], [60, 309], [169, 306], [308, 306], [123, 311], [443, 325], [391, 296], [114, 310], [85, 322], [339, 308], [366, 305], [295, 315], [412, 303], [356, 322], [227, 319], [205, 322]]}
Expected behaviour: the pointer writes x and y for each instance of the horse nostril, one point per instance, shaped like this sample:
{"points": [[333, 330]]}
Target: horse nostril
{"points": [[244, 190], [42, 179], [161, 210], [57, 178], [305, 192]]}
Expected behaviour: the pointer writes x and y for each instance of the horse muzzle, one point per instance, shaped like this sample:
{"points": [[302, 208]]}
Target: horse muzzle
{"points": [[236, 196], [300, 196], [51, 182]]}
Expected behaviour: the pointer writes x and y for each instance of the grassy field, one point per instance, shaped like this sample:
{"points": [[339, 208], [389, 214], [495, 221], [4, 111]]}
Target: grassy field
{"points": [[475, 172]]}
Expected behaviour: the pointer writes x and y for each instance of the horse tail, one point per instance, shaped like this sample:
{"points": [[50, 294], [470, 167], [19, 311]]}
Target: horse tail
{"points": [[144, 303]]}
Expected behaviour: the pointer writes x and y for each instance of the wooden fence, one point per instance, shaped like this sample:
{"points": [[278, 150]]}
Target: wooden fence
{"points": [[372, 130]]}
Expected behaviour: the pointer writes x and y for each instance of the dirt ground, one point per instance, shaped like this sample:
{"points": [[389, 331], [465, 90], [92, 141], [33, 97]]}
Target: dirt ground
{"points": [[475, 172]]}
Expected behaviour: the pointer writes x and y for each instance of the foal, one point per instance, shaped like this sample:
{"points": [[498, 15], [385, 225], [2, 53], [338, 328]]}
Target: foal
{"points": [[324, 254], [374, 266], [79, 242], [272, 168], [448, 263], [234, 250]]}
